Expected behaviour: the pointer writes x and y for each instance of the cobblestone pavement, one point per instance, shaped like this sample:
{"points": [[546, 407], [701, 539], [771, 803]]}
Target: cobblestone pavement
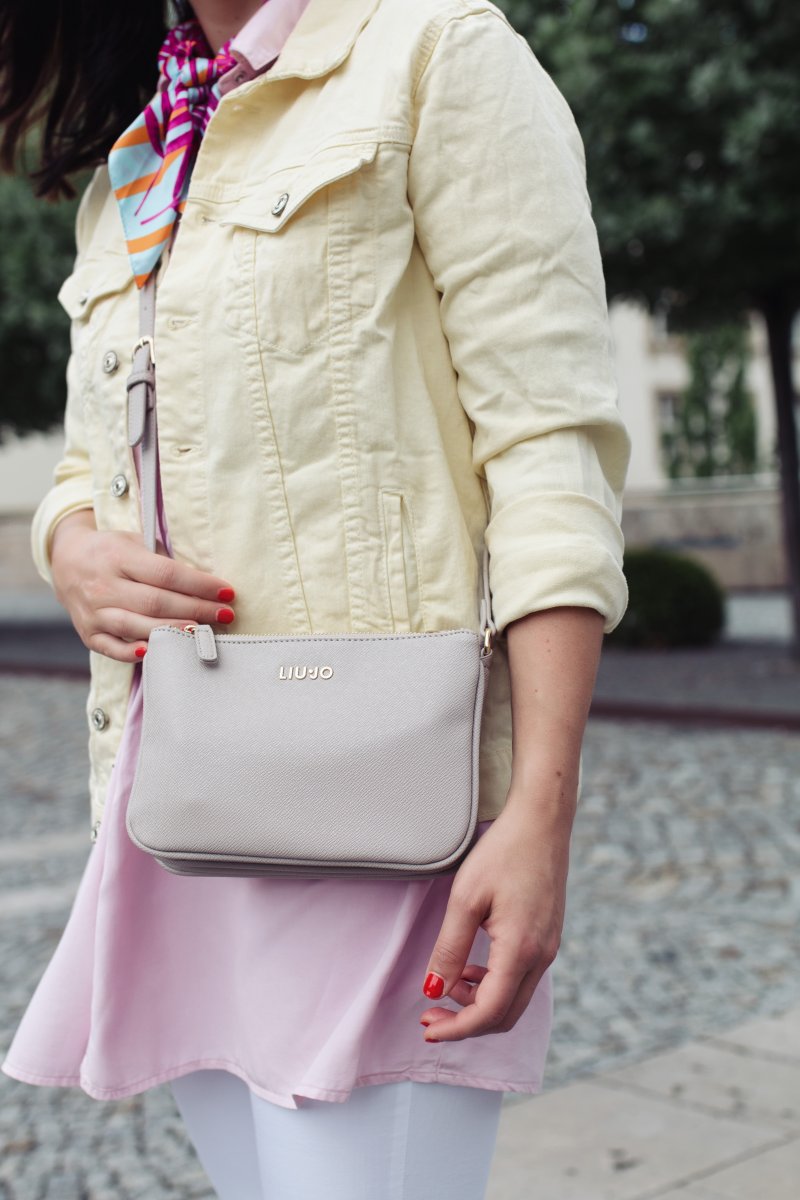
{"points": [[682, 919]]}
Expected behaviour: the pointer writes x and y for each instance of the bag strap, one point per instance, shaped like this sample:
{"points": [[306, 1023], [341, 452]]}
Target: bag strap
{"points": [[142, 429], [141, 414]]}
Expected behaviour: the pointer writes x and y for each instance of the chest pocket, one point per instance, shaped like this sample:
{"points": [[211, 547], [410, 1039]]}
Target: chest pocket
{"points": [[304, 246], [104, 315], [83, 292], [101, 298]]}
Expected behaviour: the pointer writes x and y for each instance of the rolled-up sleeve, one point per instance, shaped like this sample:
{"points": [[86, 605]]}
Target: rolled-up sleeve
{"points": [[497, 182]]}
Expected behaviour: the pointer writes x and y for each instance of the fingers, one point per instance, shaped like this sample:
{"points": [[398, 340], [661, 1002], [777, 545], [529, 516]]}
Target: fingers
{"points": [[522, 999], [121, 623], [162, 605], [463, 992], [448, 961], [123, 635], [171, 575], [116, 590], [437, 1019], [112, 647], [497, 1001]]}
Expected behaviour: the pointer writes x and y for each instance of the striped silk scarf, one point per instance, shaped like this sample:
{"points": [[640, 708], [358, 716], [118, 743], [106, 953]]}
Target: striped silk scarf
{"points": [[150, 164]]}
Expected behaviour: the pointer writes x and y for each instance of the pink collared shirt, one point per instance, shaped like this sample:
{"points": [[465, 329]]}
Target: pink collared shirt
{"points": [[260, 40]]}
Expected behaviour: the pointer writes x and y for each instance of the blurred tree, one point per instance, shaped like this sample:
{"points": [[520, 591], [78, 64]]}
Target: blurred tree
{"points": [[714, 428], [38, 240], [690, 114]]}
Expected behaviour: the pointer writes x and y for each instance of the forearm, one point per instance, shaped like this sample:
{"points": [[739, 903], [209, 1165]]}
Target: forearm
{"points": [[553, 658]]}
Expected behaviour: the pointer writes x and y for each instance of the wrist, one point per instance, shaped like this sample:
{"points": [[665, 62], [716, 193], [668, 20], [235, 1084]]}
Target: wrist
{"points": [[78, 519], [544, 798], [78, 522]]}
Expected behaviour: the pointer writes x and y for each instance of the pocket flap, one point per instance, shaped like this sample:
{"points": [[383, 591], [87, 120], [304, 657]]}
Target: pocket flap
{"points": [[92, 280], [280, 195]]}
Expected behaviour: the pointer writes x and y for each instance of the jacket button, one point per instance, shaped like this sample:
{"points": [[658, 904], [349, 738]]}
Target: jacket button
{"points": [[280, 204], [119, 485], [98, 718], [110, 362], [95, 828], [83, 298]]}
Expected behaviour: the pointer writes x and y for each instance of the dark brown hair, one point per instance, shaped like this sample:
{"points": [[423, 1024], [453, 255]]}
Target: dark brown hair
{"points": [[72, 77]]}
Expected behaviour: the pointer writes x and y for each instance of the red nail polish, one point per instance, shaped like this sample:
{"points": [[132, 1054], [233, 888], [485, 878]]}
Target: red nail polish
{"points": [[140, 651], [434, 986], [225, 593], [225, 615], [433, 1039]]}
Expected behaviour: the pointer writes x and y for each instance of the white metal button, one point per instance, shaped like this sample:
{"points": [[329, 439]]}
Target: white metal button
{"points": [[95, 828], [99, 718], [84, 296], [110, 362], [119, 485], [280, 204]]}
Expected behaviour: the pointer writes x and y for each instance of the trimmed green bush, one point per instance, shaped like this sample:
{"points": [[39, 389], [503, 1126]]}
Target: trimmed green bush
{"points": [[674, 601]]}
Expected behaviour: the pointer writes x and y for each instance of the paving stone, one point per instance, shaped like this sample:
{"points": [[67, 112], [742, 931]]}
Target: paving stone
{"points": [[773, 1035], [590, 1142], [716, 1079], [772, 1174], [692, 1192]]}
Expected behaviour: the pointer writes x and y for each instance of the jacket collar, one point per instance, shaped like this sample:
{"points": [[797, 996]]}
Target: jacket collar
{"points": [[322, 38]]}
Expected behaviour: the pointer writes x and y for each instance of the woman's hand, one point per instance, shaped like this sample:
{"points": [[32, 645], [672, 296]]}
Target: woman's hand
{"points": [[115, 590], [513, 884]]}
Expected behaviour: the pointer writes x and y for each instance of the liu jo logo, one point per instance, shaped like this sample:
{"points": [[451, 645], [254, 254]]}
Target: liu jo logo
{"points": [[305, 672]]}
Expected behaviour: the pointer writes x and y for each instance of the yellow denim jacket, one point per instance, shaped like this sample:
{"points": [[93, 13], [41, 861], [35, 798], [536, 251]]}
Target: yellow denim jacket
{"points": [[381, 334]]}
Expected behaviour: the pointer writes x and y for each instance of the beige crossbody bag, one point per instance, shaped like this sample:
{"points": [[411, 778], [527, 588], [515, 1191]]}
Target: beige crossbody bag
{"points": [[351, 754]]}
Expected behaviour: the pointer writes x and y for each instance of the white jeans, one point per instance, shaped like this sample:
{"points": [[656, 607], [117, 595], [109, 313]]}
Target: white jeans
{"points": [[387, 1141]]}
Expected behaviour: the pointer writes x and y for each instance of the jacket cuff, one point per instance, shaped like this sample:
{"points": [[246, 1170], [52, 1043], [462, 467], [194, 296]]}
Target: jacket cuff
{"points": [[556, 548], [66, 498]]}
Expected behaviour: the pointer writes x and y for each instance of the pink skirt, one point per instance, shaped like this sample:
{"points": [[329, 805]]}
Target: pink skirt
{"points": [[301, 988]]}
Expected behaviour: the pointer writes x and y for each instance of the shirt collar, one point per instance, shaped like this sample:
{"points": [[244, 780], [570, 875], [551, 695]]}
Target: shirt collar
{"points": [[260, 40], [315, 36]]}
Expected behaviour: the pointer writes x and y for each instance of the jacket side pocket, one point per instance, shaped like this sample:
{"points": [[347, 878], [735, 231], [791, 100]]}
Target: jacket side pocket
{"points": [[402, 568]]}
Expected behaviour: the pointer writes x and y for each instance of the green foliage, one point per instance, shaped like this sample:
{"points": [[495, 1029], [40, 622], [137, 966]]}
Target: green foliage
{"points": [[38, 249], [673, 601], [715, 422], [690, 114]]}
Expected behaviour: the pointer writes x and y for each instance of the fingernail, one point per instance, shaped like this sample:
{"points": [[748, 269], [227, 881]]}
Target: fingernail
{"points": [[225, 615], [427, 1039], [225, 593], [140, 651], [434, 986]]}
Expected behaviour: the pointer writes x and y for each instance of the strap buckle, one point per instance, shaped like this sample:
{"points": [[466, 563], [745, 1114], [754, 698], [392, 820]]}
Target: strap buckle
{"points": [[145, 340]]}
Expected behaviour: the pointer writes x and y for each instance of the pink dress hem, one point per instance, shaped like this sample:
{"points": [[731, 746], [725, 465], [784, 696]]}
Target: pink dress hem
{"points": [[284, 1099]]}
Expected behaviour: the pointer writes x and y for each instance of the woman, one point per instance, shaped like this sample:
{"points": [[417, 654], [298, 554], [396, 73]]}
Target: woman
{"points": [[381, 332]]}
